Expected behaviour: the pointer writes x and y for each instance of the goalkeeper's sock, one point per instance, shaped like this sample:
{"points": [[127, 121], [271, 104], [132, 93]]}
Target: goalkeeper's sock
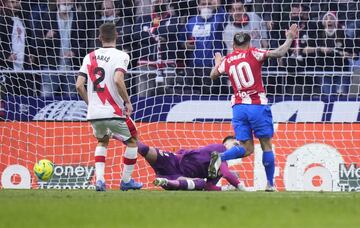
{"points": [[195, 184], [100, 155], [233, 153], [142, 148], [269, 164], [130, 156]]}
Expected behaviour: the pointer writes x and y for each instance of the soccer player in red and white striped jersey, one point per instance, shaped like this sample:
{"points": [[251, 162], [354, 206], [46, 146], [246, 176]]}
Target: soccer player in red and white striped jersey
{"points": [[251, 115], [109, 106]]}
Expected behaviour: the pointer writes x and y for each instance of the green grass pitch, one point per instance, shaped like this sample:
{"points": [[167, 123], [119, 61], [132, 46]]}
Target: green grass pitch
{"points": [[55, 208]]}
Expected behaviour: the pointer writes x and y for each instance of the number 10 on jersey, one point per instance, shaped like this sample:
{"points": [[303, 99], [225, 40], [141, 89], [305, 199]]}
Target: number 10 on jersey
{"points": [[242, 75]]}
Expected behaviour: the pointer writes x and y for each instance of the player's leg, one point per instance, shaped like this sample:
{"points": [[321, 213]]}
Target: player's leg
{"points": [[149, 153], [268, 160], [100, 156], [243, 133], [129, 159], [100, 132], [262, 124], [238, 150], [182, 183], [127, 131]]}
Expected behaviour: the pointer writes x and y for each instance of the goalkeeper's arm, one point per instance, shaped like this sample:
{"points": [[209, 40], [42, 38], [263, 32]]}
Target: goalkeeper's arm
{"points": [[284, 48]]}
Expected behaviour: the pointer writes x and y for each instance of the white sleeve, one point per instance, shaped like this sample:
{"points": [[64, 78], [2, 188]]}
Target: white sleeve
{"points": [[259, 54], [83, 69], [123, 63], [221, 68]]}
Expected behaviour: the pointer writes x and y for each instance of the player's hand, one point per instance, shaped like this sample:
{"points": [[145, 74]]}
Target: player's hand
{"points": [[161, 39], [69, 54], [326, 50], [190, 44], [292, 32], [218, 58], [31, 59], [12, 57], [269, 25], [128, 108], [347, 54], [50, 34]]}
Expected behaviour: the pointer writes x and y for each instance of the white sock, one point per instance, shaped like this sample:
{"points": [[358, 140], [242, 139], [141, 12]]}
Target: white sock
{"points": [[130, 156], [100, 155]]}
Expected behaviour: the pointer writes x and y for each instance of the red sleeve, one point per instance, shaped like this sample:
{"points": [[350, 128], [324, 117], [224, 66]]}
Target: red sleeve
{"points": [[259, 54]]}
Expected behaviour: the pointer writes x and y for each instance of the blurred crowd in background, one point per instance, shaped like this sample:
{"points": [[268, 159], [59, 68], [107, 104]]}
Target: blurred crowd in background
{"points": [[172, 43]]}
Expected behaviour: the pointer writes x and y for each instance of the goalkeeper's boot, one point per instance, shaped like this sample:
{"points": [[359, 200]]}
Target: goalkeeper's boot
{"points": [[160, 182], [270, 188], [131, 185], [214, 166], [100, 186]]}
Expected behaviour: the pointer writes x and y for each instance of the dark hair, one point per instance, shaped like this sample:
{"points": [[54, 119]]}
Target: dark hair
{"points": [[241, 38], [227, 138], [108, 32]]}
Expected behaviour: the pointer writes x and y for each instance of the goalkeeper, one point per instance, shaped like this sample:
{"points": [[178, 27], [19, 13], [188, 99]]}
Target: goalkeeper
{"points": [[188, 169]]}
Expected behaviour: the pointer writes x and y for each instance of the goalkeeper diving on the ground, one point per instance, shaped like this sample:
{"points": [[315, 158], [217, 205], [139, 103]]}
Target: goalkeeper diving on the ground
{"points": [[187, 169]]}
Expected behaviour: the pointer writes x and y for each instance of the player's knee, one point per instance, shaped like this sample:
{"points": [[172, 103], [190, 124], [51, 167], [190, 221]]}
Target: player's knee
{"points": [[104, 141], [266, 144]]}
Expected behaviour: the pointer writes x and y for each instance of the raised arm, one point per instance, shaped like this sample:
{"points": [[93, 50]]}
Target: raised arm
{"points": [[120, 84], [215, 73], [284, 48]]}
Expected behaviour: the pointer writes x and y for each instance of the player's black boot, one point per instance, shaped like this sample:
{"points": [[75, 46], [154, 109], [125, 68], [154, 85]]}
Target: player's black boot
{"points": [[214, 165]]}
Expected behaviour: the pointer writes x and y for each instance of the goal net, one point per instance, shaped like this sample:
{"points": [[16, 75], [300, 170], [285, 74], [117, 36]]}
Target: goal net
{"points": [[313, 90]]}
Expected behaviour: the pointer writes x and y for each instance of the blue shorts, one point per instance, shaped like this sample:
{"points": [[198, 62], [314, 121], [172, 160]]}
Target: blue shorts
{"points": [[249, 118]]}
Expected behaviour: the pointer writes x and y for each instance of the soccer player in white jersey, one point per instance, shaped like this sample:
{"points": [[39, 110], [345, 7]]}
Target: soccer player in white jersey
{"points": [[109, 106], [251, 114]]}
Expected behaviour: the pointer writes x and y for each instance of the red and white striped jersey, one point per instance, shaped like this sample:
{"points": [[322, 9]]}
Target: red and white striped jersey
{"points": [[99, 67], [244, 70]]}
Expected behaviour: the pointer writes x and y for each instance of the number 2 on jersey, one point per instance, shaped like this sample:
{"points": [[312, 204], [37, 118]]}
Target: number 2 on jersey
{"points": [[242, 79], [101, 72]]}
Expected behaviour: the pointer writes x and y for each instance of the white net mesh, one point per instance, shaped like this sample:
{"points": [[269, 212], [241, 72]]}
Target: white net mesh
{"points": [[313, 90]]}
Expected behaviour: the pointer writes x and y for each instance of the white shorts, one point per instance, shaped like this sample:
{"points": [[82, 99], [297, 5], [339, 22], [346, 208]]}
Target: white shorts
{"points": [[121, 128]]}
